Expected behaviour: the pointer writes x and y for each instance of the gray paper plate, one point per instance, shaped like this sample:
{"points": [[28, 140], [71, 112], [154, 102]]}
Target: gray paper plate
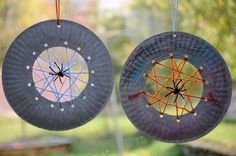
{"points": [[35, 102], [200, 54]]}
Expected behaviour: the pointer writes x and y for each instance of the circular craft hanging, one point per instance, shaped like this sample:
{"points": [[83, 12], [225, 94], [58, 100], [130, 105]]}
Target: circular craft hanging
{"points": [[175, 87], [57, 77]]}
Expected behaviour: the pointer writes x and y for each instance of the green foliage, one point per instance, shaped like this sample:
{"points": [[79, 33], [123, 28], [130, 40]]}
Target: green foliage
{"points": [[91, 139], [122, 31], [16, 16], [214, 21]]}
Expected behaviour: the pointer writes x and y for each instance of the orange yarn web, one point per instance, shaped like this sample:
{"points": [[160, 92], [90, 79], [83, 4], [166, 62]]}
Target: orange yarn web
{"points": [[161, 84]]}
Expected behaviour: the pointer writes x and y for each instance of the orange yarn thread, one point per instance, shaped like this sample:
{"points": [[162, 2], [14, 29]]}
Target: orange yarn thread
{"points": [[58, 11], [176, 72]]}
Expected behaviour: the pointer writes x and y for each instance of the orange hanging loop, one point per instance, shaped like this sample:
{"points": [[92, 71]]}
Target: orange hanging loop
{"points": [[58, 12]]}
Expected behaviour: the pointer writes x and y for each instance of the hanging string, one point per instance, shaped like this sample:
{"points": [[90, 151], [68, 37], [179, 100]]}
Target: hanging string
{"points": [[174, 12], [58, 12]]}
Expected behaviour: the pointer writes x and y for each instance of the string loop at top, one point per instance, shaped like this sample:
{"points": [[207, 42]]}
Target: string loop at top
{"points": [[174, 12], [58, 12]]}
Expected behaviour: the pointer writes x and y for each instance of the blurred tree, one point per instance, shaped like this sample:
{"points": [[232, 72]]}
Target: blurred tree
{"points": [[213, 21], [148, 18], [111, 27], [15, 16]]}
